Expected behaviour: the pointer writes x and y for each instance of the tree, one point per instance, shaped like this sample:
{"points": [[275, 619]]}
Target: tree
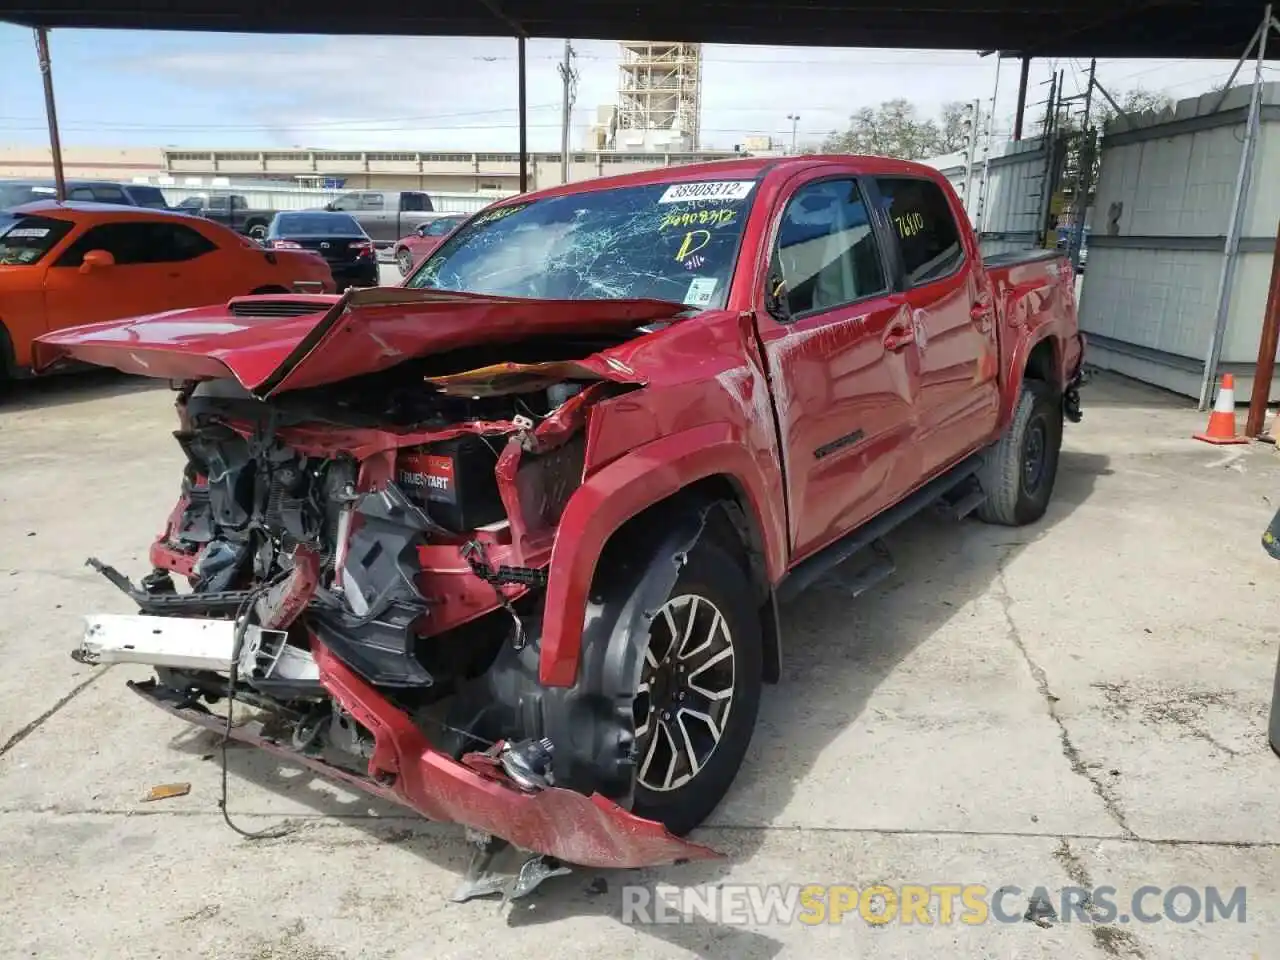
{"points": [[896, 129], [1133, 101], [953, 132]]}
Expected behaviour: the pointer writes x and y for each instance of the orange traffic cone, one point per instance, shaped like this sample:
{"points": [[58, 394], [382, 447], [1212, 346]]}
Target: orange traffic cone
{"points": [[1222, 420]]}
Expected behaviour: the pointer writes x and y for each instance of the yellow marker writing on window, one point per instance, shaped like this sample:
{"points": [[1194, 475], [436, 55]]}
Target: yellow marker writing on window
{"points": [[693, 241], [909, 224], [702, 218]]}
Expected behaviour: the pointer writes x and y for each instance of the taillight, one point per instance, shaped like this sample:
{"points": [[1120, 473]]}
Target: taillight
{"points": [[363, 248], [286, 245]]}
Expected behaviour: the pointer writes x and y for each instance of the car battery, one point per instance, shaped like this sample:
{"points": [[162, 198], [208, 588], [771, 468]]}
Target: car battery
{"points": [[453, 481]]}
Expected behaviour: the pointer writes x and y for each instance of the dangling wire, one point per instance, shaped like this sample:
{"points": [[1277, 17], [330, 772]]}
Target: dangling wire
{"points": [[243, 613]]}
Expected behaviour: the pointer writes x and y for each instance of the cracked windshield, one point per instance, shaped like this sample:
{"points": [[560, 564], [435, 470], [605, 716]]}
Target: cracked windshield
{"points": [[675, 242]]}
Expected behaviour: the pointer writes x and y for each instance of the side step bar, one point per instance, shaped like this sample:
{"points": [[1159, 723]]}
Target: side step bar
{"points": [[808, 571]]}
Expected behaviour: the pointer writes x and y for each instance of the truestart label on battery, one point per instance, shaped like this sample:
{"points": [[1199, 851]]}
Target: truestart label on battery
{"points": [[428, 475]]}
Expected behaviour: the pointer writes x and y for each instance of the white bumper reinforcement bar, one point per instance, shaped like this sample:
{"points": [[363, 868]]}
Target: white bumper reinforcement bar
{"points": [[192, 643]]}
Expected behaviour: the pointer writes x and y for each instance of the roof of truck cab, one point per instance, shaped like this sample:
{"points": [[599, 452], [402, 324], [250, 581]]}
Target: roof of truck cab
{"points": [[746, 168]]}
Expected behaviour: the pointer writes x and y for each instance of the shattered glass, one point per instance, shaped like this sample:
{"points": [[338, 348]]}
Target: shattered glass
{"points": [[621, 243]]}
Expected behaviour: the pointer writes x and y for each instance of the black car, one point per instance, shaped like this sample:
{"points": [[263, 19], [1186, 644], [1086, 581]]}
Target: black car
{"points": [[335, 236], [14, 193]]}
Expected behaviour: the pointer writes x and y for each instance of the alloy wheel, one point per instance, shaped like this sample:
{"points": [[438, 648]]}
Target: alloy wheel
{"points": [[685, 693]]}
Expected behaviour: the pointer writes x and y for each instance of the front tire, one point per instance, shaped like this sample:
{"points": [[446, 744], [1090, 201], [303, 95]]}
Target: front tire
{"points": [[404, 260], [695, 709], [1020, 470]]}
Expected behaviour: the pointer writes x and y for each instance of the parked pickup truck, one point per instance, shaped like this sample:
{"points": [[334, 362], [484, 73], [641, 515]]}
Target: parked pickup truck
{"points": [[231, 210], [506, 544], [386, 215]]}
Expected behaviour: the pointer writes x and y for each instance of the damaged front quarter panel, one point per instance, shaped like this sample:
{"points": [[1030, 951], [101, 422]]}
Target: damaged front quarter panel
{"points": [[591, 723]]}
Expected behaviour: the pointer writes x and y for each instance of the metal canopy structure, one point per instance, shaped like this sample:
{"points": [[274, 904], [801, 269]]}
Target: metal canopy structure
{"points": [[1204, 29], [1082, 28]]}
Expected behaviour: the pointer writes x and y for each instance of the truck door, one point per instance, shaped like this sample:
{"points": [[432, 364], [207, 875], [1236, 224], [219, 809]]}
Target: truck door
{"points": [[940, 272], [832, 331], [378, 221]]}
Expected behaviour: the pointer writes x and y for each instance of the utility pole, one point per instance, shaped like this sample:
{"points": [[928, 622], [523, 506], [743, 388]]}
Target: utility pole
{"points": [[973, 113], [1084, 174], [569, 77], [1022, 97], [795, 120], [55, 143], [978, 218]]}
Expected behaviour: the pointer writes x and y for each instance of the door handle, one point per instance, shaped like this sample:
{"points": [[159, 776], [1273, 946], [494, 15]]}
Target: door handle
{"points": [[981, 308], [899, 335]]}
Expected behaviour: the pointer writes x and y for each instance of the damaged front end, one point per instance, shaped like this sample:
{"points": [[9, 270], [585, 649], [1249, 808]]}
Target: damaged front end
{"points": [[363, 563]]}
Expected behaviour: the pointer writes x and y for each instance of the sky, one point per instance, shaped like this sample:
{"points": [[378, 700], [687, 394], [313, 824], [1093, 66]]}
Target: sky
{"points": [[135, 88]]}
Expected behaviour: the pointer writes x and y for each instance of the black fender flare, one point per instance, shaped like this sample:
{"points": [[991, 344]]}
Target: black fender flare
{"points": [[591, 724]]}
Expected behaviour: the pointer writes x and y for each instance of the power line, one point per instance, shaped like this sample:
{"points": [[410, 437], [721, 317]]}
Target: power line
{"points": [[317, 124]]}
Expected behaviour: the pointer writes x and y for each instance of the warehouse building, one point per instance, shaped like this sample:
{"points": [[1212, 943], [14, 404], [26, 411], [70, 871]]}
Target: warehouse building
{"points": [[461, 172]]}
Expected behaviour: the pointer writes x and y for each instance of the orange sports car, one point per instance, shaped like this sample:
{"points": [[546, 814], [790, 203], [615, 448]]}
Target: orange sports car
{"points": [[67, 264]]}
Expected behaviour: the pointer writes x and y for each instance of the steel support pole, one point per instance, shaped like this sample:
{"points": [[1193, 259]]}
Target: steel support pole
{"points": [[524, 116], [1231, 248], [51, 111], [1022, 97], [1266, 366], [566, 77], [1226, 87]]}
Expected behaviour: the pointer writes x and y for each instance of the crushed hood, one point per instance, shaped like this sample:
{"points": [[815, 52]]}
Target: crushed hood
{"points": [[274, 344]]}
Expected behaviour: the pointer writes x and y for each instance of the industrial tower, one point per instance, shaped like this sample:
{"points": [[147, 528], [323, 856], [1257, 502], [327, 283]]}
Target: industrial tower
{"points": [[659, 95]]}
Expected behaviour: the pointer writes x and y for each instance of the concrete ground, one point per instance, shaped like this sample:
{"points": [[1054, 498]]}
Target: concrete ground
{"points": [[1082, 702]]}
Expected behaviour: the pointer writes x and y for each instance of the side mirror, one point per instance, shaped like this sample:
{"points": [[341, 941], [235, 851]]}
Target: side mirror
{"points": [[96, 260], [775, 298]]}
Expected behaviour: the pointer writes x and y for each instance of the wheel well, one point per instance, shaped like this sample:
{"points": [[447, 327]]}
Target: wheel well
{"points": [[733, 526], [1042, 363]]}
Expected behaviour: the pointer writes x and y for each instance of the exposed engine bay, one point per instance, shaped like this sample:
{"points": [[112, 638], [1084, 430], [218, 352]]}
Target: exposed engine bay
{"points": [[393, 530]]}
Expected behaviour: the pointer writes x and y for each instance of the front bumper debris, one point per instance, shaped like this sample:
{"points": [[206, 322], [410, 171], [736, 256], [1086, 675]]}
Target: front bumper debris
{"points": [[404, 768], [192, 643]]}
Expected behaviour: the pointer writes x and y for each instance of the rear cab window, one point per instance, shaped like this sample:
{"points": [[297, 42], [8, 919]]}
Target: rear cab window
{"points": [[921, 219], [150, 197], [105, 193], [673, 241], [26, 240]]}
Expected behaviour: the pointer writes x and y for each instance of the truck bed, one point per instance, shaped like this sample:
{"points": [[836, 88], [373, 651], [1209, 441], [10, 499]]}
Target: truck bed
{"points": [[1014, 258]]}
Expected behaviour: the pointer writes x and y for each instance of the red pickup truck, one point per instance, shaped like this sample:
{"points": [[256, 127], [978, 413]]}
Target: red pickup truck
{"points": [[506, 544]]}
